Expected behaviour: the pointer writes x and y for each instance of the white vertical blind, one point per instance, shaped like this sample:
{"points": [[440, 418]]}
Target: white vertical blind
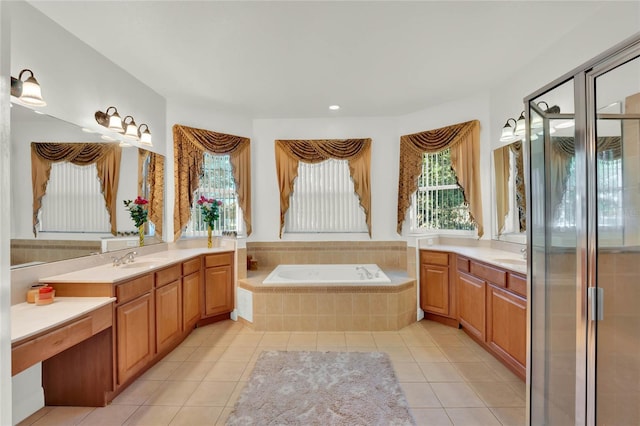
{"points": [[216, 182], [324, 200], [74, 201]]}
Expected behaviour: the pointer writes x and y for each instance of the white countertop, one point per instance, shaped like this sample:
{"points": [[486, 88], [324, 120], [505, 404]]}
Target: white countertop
{"points": [[502, 258], [29, 319], [112, 274]]}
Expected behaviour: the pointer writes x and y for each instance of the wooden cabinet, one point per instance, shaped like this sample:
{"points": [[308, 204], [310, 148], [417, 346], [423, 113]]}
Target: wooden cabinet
{"points": [[168, 315], [506, 326], [190, 300], [134, 336], [471, 304], [218, 284], [437, 290]]}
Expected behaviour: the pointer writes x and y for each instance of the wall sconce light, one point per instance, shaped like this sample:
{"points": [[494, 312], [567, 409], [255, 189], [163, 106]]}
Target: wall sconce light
{"points": [[520, 129], [507, 131], [27, 91], [110, 121], [131, 128], [145, 136]]}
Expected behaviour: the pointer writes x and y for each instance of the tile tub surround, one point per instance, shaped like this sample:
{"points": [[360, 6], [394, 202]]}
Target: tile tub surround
{"points": [[386, 254], [332, 308]]}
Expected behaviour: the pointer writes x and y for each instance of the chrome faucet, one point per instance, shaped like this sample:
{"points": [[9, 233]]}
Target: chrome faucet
{"points": [[126, 258], [366, 271], [524, 253]]}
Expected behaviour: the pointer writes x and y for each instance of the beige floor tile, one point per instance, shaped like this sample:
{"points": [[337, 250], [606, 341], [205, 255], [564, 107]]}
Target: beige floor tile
{"points": [[520, 388], [138, 392], [275, 339], [440, 372], [172, 393], [475, 371], [226, 371], [359, 339], [200, 416], [152, 416], [427, 354], [510, 416], [35, 416], [236, 393], [109, 415], [64, 416], [161, 371], [211, 394], [331, 339], [408, 372], [303, 339], [497, 394], [414, 339], [431, 416], [246, 374], [326, 348], [237, 354], [420, 395], [207, 330], [502, 372], [181, 353], [301, 348], [448, 340], [247, 340], [386, 339], [456, 395], [220, 339], [194, 339], [206, 353], [192, 370], [363, 349], [459, 354], [472, 417], [398, 353], [222, 419]]}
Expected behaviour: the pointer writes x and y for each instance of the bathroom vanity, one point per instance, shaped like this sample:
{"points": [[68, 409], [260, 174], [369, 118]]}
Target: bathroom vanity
{"points": [[153, 305], [483, 291]]}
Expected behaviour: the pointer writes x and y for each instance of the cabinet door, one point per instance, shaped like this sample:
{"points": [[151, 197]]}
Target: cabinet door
{"points": [[134, 336], [507, 326], [434, 289], [218, 291], [190, 300], [168, 315], [471, 304]]}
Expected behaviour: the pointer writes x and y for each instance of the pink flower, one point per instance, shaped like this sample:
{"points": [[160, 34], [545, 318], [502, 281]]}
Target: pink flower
{"points": [[140, 201]]}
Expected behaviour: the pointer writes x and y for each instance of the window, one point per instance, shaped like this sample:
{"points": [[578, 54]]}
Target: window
{"points": [[216, 182], [74, 201], [439, 201], [324, 200]]}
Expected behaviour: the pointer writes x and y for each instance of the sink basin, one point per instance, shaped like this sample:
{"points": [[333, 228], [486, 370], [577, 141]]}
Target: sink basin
{"points": [[145, 264], [517, 262]]}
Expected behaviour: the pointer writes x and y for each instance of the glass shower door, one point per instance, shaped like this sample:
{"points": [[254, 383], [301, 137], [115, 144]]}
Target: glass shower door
{"points": [[616, 290]]}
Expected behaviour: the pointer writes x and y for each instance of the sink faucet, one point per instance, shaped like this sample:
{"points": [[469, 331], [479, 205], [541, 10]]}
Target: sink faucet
{"points": [[524, 253], [366, 271], [126, 258]]}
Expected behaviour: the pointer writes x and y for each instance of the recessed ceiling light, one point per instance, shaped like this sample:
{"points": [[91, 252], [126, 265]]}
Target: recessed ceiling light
{"points": [[334, 107]]}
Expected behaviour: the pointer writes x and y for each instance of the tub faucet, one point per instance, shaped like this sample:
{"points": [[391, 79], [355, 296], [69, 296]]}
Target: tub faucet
{"points": [[365, 270], [126, 258]]}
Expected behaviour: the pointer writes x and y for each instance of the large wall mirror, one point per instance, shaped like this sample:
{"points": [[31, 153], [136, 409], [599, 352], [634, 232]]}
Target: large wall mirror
{"points": [[73, 220], [510, 210]]}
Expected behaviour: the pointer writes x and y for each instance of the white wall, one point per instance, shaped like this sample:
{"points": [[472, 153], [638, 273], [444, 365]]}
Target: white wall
{"points": [[76, 80]]}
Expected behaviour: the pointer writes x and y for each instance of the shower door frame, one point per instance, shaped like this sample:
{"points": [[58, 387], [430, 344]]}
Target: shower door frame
{"points": [[584, 78]]}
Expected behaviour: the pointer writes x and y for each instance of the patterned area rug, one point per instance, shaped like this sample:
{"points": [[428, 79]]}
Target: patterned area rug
{"points": [[322, 388]]}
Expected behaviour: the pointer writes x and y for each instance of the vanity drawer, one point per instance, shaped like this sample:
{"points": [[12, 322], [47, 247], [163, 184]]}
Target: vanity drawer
{"points": [[168, 275], [517, 284], [134, 288], [27, 354], [434, 257], [191, 266], [493, 275], [463, 263], [218, 259]]}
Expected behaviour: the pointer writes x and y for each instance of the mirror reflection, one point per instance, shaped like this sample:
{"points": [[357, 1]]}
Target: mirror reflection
{"points": [[74, 219], [510, 197]]}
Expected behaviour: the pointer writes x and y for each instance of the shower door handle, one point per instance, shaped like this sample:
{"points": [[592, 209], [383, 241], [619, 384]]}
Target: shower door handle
{"points": [[596, 303]]}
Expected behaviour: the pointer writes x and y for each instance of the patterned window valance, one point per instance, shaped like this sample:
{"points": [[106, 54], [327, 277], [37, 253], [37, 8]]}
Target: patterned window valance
{"points": [[463, 139], [106, 157], [356, 151], [155, 180], [189, 146]]}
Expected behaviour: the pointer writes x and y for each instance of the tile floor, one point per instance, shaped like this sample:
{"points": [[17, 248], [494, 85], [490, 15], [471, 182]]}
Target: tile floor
{"points": [[447, 378]]}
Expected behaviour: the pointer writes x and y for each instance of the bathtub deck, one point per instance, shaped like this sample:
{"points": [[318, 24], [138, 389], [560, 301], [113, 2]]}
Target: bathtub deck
{"points": [[332, 307]]}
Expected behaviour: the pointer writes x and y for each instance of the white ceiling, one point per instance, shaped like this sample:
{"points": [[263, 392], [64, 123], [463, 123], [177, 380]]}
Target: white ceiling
{"points": [[294, 59]]}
